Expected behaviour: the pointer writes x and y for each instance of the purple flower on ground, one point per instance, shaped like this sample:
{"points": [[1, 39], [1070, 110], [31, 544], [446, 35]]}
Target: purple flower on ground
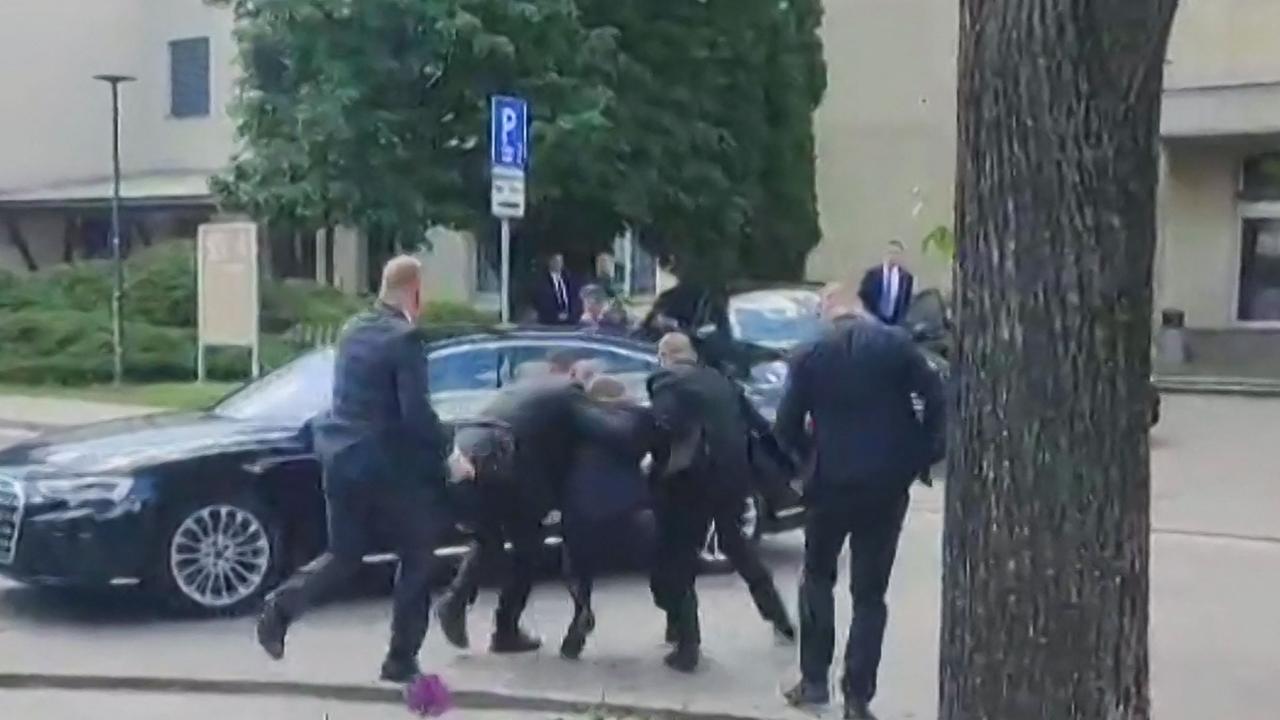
{"points": [[428, 696]]}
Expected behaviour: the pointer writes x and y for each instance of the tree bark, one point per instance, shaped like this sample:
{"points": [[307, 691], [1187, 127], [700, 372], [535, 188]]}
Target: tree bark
{"points": [[1046, 550]]}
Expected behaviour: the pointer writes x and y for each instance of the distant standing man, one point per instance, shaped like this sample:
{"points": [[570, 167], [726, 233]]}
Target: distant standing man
{"points": [[856, 385], [702, 476], [383, 450], [887, 289], [555, 296]]}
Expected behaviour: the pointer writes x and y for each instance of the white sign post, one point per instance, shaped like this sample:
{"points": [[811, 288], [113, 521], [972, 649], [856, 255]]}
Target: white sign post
{"points": [[508, 159], [227, 307]]}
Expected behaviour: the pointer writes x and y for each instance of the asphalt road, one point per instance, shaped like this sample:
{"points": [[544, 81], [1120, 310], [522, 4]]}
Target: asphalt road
{"points": [[1215, 632]]}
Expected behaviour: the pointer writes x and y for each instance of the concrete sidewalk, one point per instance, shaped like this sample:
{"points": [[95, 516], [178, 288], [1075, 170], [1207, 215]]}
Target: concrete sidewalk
{"points": [[42, 413], [78, 705]]}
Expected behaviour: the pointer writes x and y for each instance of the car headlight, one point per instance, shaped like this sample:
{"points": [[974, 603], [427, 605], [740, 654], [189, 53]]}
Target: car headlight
{"points": [[84, 491]]}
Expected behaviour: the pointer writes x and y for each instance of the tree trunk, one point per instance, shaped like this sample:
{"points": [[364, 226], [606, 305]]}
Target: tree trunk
{"points": [[19, 241], [329, 233], [1045, 580]]}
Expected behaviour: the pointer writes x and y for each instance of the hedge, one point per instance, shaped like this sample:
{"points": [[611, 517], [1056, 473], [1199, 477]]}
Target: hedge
{"points": [[55, 325]]}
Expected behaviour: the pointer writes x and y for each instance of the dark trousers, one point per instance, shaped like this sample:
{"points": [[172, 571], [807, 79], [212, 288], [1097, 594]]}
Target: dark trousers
{"points": [[872, 526], [361, 513], [590, 544], [500, 514], [684, 518]]}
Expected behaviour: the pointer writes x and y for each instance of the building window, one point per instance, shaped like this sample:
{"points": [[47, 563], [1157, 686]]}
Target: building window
{"points": [[189, 78], [1258, 292], [1259, 298]]}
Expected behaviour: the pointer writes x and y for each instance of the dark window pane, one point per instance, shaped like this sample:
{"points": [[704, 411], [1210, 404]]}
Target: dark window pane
{"points": [[293, 394], [463, 370], [1260, 270], [1261, 177], [189, 77]]}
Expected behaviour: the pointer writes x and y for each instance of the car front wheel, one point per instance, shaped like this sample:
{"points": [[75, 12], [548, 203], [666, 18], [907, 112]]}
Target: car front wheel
{"points": [[713, 557], [218, 558]]}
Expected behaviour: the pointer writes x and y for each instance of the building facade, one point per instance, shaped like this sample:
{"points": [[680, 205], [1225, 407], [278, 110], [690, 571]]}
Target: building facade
{"points": [[886, 156], [176, 131]]}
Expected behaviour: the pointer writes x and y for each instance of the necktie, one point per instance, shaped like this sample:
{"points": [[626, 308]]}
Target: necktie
{"points": [[561, 296], [887, 298]]}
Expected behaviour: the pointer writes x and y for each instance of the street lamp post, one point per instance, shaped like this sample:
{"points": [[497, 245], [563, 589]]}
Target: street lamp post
{"points": [[117, 293]]}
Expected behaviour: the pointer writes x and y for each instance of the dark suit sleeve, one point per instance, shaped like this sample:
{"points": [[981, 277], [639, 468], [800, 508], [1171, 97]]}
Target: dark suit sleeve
{"points": [[869, 290], [925, 383], [797, 403], [906, 296], [416, 414]]}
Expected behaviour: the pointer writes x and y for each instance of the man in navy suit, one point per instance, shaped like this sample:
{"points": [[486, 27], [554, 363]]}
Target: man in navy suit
{"points": [[887, 289], [383, 450], [555, 295], [856, 386]]}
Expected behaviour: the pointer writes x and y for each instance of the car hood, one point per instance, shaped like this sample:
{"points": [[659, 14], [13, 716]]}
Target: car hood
{"points": [[123, 446]]}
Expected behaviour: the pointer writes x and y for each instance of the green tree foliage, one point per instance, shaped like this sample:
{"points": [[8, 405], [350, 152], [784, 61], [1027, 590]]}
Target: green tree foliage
{"points": [[687, 120]]}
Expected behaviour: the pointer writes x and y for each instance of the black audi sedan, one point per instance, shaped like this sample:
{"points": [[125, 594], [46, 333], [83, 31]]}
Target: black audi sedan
{"points": [[210, 509]]}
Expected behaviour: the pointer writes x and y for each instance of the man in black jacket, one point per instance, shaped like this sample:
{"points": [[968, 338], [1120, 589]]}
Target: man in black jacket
{"points": [[856, 385], [383, 451], [537, 422], [703, 476], [887, 289]]}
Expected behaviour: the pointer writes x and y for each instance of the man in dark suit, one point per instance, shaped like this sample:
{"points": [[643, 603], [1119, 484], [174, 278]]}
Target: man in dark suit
{"points": [[383, 451], [606, 515], [887, 289], [855, 385], [539, 420], [703, 475], [555, 295]]}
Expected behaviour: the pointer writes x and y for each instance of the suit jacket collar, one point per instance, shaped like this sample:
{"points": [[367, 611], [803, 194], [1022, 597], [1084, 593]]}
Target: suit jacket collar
{"points": [[386, 310]]}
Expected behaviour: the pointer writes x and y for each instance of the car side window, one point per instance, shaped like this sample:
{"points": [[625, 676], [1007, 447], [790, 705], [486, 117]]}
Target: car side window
{"points": [[633, 369], [461, 370]]}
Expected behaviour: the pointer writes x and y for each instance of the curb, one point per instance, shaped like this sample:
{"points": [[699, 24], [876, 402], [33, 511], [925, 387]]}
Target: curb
{"points": [[1247, 387], [366, 694], [6, 424]]}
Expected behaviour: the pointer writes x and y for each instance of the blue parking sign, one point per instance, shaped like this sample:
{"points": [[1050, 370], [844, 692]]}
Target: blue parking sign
{"points": [[509, 133]]}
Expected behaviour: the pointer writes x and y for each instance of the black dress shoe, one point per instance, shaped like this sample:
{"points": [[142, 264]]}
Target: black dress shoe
{"points": [[272, 628], [452, 615], [401, 672], [857, 710], [684, 658], [805, 694], [513, 642], [576, 639]]}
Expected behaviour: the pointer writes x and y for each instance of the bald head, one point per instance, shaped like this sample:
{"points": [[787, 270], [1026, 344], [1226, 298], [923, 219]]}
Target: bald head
{"points": [[402, 285], [840, 299], [675, 348]]}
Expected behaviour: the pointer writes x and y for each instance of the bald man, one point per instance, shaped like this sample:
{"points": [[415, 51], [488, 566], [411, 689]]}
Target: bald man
{"points": [[703, 476], [383, 451], [856, 384]]}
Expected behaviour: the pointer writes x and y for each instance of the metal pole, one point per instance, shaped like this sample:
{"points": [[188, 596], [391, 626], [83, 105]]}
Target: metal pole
{"points": [[117, 295], [506, 271]]}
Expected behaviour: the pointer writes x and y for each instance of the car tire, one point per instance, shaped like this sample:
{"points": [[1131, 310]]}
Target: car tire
{"points": [[712, 559], [217, 557]]}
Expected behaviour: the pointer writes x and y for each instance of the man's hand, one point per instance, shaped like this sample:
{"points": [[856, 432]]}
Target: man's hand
{"points": [[646, 463], [460, 467]]}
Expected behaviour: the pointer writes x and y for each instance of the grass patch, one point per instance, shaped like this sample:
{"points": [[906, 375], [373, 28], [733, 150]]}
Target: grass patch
{"points": [[171, 396]]}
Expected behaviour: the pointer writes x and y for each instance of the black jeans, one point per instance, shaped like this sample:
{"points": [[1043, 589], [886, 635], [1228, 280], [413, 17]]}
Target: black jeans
{"points": [[872, 526], [684, 519], [361, 513], [506, 504]]}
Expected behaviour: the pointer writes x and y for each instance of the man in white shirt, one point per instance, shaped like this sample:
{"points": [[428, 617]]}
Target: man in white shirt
{"points": [[887, 288]]}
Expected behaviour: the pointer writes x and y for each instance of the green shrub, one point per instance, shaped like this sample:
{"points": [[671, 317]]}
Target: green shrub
{"points": [[64, 347], [162, 287], [286, 303], [454, 313]]}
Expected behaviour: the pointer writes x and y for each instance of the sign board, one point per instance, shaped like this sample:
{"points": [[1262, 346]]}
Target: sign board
{"points": [[509, 134], [227, 287], [507, 195]]}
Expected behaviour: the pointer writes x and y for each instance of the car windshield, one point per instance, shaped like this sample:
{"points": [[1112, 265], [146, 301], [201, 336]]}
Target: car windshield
{"points": [[291, 395], [777, 319]]}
